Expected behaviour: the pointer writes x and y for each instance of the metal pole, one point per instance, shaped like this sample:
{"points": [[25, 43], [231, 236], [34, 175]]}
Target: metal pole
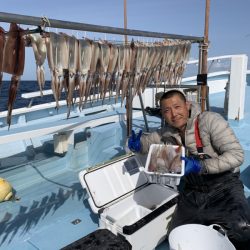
{"points": [[204, 55], [129, 93], [38, 21], [143, 112], [125, 20], [129, 103]]}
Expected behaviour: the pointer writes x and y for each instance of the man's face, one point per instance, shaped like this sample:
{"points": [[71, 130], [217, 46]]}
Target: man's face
{"points": [[175, 112]]}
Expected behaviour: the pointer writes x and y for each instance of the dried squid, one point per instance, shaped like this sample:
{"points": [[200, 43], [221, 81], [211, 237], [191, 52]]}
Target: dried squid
{"points": [[57, 54], [127, 72], [104, 63], [73, 66], [85, 54], [2, 42], [39, 48], [120, 69], [111, 68], [93, 68], [13, 62]]}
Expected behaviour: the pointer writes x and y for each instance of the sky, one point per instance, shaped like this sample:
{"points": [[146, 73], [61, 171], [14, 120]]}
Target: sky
{"points": [[229, 21]]}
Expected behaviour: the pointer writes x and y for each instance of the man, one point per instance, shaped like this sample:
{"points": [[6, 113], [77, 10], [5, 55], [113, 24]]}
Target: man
{"points": [[212, 192]]}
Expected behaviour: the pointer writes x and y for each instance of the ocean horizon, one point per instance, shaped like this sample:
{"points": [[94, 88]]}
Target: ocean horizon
{"points": [[27, 86]]}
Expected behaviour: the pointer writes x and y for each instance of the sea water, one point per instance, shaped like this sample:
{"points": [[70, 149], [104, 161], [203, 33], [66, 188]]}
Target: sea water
{"points": [[24, 87], [31, 86]]}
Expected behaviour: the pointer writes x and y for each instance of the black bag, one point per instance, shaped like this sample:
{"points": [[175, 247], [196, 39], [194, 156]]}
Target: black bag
{"points": [[101, 239], [215, 199]]}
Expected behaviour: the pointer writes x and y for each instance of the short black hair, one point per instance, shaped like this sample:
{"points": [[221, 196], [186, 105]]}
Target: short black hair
{"points": [[172, 93]]}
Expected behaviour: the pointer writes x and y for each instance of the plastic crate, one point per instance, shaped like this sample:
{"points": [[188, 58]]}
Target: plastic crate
{"points": [[162, 171]]}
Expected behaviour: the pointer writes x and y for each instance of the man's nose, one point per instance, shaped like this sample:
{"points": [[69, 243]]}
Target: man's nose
{"points": [[173, 113]]}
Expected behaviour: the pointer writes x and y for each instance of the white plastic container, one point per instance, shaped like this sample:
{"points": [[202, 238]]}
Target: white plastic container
{"points": [[127, 203], [165, 178], [197, 237]]}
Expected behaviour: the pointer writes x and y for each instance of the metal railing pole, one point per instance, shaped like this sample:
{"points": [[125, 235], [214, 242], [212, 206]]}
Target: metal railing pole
{"points": [[38, 21]]}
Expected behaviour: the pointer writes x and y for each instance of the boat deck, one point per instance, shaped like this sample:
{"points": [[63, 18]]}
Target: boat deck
{"points": [[52, 210]]}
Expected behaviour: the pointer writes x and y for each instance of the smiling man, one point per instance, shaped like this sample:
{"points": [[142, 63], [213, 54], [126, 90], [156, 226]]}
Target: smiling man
{"points": [[175, 110], [212, 192]]}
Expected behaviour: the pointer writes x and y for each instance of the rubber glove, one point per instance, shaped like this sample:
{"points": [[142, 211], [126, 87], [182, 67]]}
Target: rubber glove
{"points": [[191, 165], [134, 143]]}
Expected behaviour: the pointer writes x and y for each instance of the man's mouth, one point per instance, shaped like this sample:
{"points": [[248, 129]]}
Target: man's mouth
{"points": [[176, 119]]}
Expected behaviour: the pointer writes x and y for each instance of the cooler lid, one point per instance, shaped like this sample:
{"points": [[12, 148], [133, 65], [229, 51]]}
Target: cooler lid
{"points": [[107, 184]]}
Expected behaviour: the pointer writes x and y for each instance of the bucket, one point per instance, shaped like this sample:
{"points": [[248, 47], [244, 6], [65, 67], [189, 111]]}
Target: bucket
{"points": [[197, 237]]}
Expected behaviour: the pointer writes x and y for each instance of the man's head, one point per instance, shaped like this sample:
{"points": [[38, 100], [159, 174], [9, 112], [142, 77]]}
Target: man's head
{"points": [[175, 108]]}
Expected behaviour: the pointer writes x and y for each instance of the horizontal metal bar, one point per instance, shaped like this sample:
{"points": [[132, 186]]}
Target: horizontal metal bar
{"points": [[152, 86], [31, 20]]}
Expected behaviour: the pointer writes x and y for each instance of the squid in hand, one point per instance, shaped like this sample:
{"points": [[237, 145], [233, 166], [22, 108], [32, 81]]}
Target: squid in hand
{"points": [[165, 159], [13, 62]]}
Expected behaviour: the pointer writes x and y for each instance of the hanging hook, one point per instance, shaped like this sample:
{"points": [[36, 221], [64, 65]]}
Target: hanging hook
{"points": [[44, 22]]}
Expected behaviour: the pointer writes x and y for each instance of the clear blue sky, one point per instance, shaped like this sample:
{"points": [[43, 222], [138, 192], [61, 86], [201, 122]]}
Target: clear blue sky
{"points": [[229, 27]]}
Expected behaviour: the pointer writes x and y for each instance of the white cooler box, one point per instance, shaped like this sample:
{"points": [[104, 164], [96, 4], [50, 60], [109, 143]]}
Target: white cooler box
{"points": [[127, 203]]}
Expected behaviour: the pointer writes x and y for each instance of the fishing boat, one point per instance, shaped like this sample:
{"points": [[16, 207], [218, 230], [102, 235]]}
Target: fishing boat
{"points": [[43, 151]]}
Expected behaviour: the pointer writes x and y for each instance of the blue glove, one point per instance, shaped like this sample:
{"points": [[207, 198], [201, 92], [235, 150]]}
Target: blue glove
{"points": [[134, 143], [191, 165]]}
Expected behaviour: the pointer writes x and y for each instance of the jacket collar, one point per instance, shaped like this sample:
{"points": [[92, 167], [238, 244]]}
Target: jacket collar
{"points": [[194, 112]]}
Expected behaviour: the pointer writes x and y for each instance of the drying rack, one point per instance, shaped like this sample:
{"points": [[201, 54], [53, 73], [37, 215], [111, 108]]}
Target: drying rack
{"points": [[42, 23]]}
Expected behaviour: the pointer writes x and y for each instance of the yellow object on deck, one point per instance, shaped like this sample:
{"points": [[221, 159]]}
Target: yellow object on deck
{"points": [[5, 190]]}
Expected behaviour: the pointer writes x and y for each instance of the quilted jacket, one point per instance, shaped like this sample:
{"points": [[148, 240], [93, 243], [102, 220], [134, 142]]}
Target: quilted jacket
{"points": [[218, 139]]}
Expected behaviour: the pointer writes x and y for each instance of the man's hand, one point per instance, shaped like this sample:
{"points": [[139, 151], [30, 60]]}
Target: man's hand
{"points": [[191, 165], [134, 143]]}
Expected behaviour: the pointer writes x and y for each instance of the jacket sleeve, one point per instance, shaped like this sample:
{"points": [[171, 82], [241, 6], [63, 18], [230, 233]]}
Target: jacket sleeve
{"points": [[227, 153]]}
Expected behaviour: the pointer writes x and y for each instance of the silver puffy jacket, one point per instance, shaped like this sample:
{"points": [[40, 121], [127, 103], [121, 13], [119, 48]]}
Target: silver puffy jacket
{"points": [[219, 141]]}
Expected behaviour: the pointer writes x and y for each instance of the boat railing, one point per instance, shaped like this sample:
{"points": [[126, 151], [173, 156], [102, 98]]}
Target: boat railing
{"points": [[62, 126], [234, 67]]}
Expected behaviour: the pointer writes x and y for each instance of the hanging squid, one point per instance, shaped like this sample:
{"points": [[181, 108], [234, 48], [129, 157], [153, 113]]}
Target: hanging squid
{"points": [[13, 62], [93, 67], [85, 54], [57, 54], [126, 74], [111, 69], [185, 56], [2, 42], [51, 44], [147, 68], [39, 48], [73, 67], [132, 64], [120, 69], [104, 63]]}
